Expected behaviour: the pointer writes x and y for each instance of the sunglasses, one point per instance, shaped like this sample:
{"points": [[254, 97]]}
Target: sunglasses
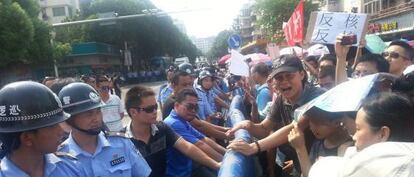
{"points": [[148, 109], [191, 107], [282, 77], [393, 55]]}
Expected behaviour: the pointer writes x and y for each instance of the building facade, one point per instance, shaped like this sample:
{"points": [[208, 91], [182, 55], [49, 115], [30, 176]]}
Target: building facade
{"points": [[55, 11], [204, 44], [390, 19]]}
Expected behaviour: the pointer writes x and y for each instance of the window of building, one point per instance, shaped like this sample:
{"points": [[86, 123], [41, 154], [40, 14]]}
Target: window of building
{"points": [[58, 11], [372, 6]]}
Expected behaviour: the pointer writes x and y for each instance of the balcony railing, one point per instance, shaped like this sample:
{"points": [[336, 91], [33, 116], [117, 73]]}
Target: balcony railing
{"points": [[404, 7]]}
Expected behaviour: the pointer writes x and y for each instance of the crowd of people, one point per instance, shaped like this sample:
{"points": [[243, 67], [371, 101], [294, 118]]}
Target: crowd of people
{"points": [[74, 127]]}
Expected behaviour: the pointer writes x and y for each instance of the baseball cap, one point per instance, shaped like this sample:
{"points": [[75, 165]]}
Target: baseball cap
{"points": [[286, 63], [386, 159]]}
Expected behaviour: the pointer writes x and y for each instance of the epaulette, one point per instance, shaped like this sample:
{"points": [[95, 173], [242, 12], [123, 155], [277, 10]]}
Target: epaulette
{"points": [[117, 134], [65, 154]]}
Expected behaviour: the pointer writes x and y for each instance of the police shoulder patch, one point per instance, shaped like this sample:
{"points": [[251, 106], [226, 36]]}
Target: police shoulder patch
{"points": [[66, 155]]}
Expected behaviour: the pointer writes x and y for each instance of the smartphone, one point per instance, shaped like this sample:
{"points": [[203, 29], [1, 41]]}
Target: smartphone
{"points": [[349, 39]]}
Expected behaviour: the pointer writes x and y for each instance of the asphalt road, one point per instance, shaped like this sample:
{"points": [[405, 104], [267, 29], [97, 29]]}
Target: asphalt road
{"points": [[153, 85]]}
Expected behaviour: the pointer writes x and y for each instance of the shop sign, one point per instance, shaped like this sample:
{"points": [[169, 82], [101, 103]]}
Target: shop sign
{"points": [[382, 27]]}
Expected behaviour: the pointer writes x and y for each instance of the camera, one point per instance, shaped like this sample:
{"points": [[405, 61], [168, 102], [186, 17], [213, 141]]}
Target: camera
{"points": [[349, 39]]}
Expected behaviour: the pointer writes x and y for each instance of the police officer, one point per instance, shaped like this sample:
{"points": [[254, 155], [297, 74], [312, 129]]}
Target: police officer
{"points": [[30, 114], [101, 154]]}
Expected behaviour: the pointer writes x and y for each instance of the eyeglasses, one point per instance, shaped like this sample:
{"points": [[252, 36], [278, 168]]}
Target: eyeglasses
{"points": [[148, 109], [393, 55], [191, 107], [283, 76]]}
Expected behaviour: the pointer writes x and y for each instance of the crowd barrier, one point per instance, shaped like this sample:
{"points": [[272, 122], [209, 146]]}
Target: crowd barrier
{"points": [[236, 164]]}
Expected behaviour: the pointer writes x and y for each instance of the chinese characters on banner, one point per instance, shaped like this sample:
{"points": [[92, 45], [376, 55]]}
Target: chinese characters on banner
{"points": [[293, 29], [382, 27], [325, 26]]}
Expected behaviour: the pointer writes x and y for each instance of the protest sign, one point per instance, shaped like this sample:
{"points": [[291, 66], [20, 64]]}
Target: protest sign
{"points": [[237, 64], [325, 26]]}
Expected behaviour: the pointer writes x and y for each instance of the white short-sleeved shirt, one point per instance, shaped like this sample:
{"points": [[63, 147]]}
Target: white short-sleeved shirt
{"points": [[111, 113]]}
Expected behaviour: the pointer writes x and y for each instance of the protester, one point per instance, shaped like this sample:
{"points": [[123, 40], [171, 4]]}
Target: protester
{"points": [[185, 109], [30, 133], [146, 133], [332, 138], [326, 77], [370, 64], [327, 60], [386, 159], [113, 111], [100, 154], [259, 74], [384, 117], [400, 55], [291, 82]]}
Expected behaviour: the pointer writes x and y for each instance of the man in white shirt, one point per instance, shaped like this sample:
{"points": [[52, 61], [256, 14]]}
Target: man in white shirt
{"points": [[113, 111]]}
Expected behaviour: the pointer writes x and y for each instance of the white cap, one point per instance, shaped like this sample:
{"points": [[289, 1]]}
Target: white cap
{"points": [[387, 159], [318, 50]]}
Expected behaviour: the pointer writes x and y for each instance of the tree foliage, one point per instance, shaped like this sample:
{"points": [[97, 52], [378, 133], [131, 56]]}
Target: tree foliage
{"points": [[146, 36], [274, 12], [25, 38], [220, 46]]}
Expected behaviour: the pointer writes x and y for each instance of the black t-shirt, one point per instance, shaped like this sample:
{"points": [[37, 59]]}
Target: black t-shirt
{"points": [[167, 107], [155, 152], [281, 113]]}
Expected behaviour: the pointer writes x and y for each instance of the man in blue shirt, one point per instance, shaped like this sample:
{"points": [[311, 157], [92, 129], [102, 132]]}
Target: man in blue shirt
{"points": [[185, 110], [30, 133], [260, 72], [112, 155]]}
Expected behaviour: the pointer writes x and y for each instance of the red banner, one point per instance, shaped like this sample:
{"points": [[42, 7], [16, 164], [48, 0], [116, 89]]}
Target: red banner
{"points": [[294, 27]]}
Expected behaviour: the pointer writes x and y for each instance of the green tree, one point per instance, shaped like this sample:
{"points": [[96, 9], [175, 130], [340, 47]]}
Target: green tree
{"points": [[220, 46], [16, 33], [274, 12]]}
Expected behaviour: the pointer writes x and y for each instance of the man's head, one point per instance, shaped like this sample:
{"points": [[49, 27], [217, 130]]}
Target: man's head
{"points": [[400, 55], [181, 80], [326, 77], [206, 80], [84, 104], [327, 60], [289, 77], [31, 118], [313, 61], [186, 104], [141, 105], [260, 72], [103, 85], [370, 64]]}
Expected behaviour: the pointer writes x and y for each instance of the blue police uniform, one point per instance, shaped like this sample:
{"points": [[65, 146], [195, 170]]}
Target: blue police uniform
{"points": [[179, 165], [164, 94], [114, 156], [205, 102], [54, 167]]}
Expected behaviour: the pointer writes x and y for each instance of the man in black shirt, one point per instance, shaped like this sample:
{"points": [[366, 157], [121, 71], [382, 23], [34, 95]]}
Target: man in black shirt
{"points": [[152, 138], [290, 80]]}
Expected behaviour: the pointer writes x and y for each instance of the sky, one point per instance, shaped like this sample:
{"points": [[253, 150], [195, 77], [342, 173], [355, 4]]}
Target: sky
{"points": [[208, 18]]}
